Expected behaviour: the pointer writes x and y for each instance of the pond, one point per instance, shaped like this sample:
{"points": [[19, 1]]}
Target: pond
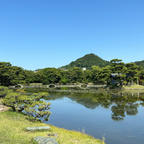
{"points": [[119, 118]]}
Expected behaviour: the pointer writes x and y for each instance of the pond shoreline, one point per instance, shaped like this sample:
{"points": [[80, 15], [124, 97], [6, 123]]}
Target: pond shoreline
{"points": [[12, 125], [100, 90]]}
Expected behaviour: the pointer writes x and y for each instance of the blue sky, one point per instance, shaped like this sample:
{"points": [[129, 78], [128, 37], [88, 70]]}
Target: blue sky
{"points": [[51, 33]]}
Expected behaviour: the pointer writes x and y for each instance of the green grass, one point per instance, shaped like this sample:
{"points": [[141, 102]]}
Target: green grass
{"points": [[134, 87], [12, 131]]}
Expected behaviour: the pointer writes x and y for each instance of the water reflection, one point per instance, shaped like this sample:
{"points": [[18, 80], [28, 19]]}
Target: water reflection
{"points": [[121, 104]]}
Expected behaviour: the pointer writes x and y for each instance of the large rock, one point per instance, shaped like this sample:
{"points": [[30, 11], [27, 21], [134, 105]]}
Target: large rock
{"points": [[45, 140], [42, 128]]}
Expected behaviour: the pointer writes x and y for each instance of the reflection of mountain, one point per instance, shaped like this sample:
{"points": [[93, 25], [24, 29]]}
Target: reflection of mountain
{"points": [[89, 100], [92, 101], [120, 104]]}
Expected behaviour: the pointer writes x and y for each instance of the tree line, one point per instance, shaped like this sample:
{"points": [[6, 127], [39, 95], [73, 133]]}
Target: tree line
{"points": [[116, 73]]}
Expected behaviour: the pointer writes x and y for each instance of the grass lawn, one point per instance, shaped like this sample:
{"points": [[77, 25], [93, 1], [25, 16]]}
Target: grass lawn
{"points": [[12, 131], [134, 87]]}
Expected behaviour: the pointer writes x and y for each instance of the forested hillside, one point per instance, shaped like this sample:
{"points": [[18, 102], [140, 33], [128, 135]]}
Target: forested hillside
{"points": [[87, 61], [140, 63]]}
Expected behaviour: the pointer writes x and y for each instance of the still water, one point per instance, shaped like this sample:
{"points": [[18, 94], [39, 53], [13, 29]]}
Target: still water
{"points": [[119, 118]]}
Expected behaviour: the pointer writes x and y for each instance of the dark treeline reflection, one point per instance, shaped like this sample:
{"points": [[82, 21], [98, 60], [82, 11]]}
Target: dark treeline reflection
{"points": [[121, 104]]}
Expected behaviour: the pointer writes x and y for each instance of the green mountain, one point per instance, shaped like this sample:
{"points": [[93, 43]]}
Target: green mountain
{"points": [[87, 61], [140, 63]]}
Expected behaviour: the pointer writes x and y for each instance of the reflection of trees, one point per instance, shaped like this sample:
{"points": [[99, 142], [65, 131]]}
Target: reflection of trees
{"points": [[124, 104], [119, 111], [121, 104], [142, 104], [92, 100], [131, 109]]}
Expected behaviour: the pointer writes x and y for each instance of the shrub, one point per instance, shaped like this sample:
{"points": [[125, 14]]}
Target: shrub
{"points": [[3, 91], [32, 105]]}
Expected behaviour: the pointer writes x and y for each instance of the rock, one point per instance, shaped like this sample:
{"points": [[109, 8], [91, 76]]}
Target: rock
{"points": [[52, 135], [38, 128], [45, 140], [3, 108]]}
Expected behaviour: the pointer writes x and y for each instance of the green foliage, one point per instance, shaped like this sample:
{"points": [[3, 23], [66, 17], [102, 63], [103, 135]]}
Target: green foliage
{"points": [[3, 91], [132, 73], [118, 73], [4, 73], [11, 75], [31, 77], [141, 77], [49, 75], [76, 75], [114, 73], [32, 105]]}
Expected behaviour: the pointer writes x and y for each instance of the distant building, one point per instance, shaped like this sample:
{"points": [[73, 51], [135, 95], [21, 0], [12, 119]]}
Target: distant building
{"points": [[84, 69]]}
